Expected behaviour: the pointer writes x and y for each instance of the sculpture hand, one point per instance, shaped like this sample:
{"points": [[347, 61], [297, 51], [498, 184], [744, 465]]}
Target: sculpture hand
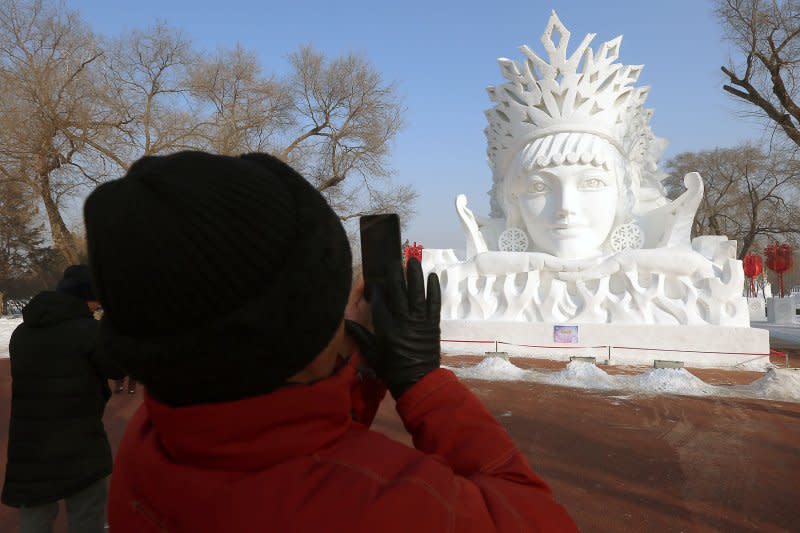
{"points": [[476, 244], [406, 344]]}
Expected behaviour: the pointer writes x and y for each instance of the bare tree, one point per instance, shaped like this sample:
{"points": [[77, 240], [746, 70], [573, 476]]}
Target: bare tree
{"points": [[346, 118], [76, 110], [245, 110], [52, 113], [146, 78], [767, 35], [334, 121], [749, 196]]}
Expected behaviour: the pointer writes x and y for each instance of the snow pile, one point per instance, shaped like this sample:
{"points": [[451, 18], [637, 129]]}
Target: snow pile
{"points": [[7, 326], [670, 381], [757, 364], [493, 369], [580, 374], [588, 376], [779, 385]]}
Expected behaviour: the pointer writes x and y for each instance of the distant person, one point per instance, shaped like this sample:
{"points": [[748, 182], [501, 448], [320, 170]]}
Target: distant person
{"points": [[257, 401], [57, 446]]}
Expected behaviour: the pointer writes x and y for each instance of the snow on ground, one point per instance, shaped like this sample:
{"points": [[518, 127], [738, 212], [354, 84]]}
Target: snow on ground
{"points": [[671, 381], [585, 376], [496, 368], [7, 326], [775, 385], [782, 385]]}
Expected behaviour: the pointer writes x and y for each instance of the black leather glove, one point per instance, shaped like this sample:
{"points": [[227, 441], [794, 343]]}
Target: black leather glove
{"points": [[406, 344]]}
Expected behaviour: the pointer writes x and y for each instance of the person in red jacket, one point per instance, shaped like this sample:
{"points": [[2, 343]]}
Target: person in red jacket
{"points": [[259, 393]]}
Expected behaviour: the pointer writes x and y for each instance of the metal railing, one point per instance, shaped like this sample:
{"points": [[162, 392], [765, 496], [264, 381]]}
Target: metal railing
{"points": [[14, 306]]}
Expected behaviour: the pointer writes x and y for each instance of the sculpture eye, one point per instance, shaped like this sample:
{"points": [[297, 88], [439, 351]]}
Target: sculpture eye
{"points": [[592, 184], [537, 187]]}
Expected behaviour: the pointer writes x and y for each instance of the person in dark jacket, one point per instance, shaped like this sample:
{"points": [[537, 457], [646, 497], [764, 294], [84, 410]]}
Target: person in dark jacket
{"points": [[258, 395], [57, 445]]}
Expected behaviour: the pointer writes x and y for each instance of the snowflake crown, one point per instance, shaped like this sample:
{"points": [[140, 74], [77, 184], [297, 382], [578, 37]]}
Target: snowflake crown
{"points": [[583, 93]]}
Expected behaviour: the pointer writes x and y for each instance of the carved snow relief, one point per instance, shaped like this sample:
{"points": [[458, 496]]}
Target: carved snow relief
{"points": [[581, 230]]}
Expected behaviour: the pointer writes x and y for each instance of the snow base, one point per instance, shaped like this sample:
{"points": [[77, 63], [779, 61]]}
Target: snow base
{"points": [[628, 344]]}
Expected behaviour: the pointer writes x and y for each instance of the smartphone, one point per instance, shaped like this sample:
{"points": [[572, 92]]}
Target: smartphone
{"points": [[381, 250]]}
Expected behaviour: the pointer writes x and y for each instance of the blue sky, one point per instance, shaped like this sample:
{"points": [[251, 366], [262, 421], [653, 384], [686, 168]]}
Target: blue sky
{"points": [[443, 56]]}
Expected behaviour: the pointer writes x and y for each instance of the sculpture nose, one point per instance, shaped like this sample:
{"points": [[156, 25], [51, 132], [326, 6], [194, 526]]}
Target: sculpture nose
{"points": [[568, 200]]}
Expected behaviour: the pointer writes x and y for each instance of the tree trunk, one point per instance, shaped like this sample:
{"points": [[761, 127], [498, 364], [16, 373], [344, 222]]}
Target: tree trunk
{"points": [[63, 240], [746, 244]]}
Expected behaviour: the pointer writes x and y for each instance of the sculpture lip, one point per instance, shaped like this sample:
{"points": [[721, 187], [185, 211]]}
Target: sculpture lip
{"points": [[568, 227], [568, 231]]}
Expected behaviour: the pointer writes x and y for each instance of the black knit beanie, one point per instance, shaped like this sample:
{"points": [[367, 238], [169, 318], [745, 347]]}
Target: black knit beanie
{"points": [[76, 281], [220, 277]]}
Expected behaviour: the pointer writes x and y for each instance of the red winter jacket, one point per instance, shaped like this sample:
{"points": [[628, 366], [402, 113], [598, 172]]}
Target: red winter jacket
{"points": [[296, 460]]}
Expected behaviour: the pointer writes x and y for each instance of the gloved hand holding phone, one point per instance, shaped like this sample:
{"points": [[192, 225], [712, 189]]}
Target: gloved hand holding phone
{"points": [[406, 343]]}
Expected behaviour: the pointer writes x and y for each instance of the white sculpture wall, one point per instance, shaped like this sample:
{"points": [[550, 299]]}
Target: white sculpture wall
{"points": [[677, 287]]}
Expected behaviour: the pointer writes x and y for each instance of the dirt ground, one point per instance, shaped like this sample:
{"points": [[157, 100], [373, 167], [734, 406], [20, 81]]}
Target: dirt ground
{"points": [[617, 462]]}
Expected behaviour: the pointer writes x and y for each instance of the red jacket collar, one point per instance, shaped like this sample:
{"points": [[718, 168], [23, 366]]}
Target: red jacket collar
{"points": [[257, 432]]}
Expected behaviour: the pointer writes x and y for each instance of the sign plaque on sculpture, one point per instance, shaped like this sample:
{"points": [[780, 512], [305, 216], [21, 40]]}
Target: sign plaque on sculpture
{"points": [[565, 334]]}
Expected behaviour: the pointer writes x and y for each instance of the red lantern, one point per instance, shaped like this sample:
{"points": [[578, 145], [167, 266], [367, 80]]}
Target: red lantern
{"points": [[785, 252], [779, 260], [414, 251], [753, 267]]}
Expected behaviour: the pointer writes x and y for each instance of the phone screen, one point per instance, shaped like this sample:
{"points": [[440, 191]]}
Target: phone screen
{"points": [[380, 248]]}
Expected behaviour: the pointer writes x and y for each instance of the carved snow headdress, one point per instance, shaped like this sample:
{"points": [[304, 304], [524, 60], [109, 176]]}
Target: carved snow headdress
{"points": [[582, 93]]}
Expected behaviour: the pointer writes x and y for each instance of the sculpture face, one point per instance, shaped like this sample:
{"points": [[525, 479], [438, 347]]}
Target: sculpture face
{"points": [[567, 191], [570, 108], [568, 210]]}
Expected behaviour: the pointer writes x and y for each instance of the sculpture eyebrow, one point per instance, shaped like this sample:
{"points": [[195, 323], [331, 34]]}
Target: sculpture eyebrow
{"points": [[533, 174], [538, 174], [592, 173]]}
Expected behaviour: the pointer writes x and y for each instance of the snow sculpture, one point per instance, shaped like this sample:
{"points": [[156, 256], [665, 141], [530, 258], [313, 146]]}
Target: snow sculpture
{"points": [[581, 230]]}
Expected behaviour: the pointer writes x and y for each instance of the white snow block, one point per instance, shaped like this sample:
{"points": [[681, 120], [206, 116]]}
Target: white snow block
{"points": [[758, 312], [780, 310]]}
